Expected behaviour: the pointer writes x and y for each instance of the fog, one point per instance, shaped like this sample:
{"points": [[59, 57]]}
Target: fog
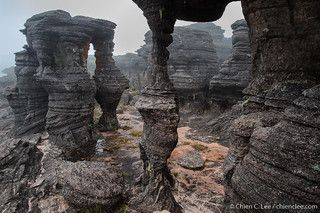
{"points": [[129, 34]]}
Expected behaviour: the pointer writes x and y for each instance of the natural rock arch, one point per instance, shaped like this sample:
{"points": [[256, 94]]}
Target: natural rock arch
{"points": [[282, 102], [56, 75], [276, 137]]}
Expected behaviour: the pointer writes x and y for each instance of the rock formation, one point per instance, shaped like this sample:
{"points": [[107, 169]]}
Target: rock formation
{"points": [[273, 156], [158, 103], [193, 60], [234, 75], [274, 150], [54, 84], [222, 44], [133, 67], [159, 109], [28, 100], [110, 82], [47, 173], [274, 153], [6, 114], [35, 178]]}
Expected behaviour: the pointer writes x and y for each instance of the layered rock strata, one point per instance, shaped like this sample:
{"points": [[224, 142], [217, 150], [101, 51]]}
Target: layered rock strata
{"points": [[110, 83], [159, 110], [133, 67], [273, 155], [192, 62], [54, 84], [55, 90], [235, 73], [158, 105], [223, 45], [28, 99], [35, 178]]}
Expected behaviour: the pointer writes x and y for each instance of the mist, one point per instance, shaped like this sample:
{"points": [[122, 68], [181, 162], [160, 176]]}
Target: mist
{"points": [[129, 34]]}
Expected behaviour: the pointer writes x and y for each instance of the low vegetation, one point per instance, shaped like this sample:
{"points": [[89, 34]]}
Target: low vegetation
{"points": [[200, 147], [136, 133], [118, 141]]}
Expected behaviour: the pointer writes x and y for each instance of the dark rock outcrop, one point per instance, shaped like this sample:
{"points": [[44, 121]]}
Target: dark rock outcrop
{"points": [[223, 45], [28, 99], [192, 62], [36, 179], [110, 82], [275, 150], [55, 90], [234, 74], [274, 156], [133, 67], [158, 103], [54, 84]]}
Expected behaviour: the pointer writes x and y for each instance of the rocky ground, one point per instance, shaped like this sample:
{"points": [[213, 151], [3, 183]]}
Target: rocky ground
{"points": [[195, 163]]}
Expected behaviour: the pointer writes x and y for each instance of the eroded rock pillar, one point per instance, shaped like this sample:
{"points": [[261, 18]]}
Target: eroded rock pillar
{"points": [[28, 100], [110, 84], [159, 109], [63, 74]]}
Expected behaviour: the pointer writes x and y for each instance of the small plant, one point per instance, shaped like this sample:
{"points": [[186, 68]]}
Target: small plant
{"points": [[126, 174], [200, 147], [97, 114], [123, 208], [121, 108], [118, 141], [136, 133], [134, 92], [176, 174], [185, 143]]}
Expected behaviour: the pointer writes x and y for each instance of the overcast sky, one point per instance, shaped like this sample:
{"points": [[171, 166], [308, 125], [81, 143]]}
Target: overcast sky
{"points": [[131, 25]]}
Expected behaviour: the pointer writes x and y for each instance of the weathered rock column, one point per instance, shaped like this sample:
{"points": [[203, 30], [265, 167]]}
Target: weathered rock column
{"points": [[235, 73], [274, 154], [158, 107], [71, 99], [62, 72], [28, 100], [110, 83]]}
